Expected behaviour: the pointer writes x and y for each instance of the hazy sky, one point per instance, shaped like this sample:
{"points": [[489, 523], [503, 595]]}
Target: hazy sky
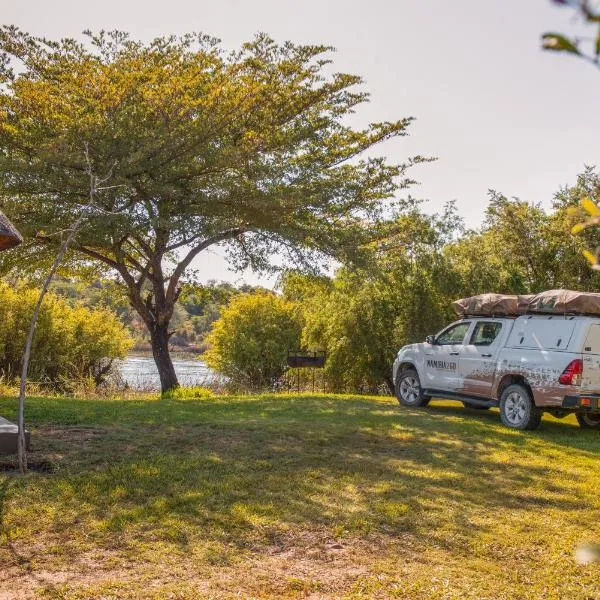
{"points": [[494, 109]]}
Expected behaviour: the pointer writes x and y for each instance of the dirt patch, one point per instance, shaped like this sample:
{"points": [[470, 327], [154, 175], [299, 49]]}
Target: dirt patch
{"points": [[306, 564], [49, 446], [67, 434], [37, 466]]}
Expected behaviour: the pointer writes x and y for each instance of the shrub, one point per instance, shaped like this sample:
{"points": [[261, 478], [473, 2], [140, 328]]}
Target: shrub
{"points": [[250, 341], [187, 393], [70, 343]]}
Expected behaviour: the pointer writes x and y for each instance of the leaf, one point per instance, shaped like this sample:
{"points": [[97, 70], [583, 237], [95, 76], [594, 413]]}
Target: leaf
{"points": [[559, 43], [590, 207], [591, 257], [577, 228], [591, 15]]}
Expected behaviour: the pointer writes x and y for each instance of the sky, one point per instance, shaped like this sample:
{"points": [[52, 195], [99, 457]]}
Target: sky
{"points": [[494, 109]]}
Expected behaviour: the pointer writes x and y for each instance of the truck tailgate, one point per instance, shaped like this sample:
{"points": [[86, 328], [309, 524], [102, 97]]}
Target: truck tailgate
{"points": [[590, 381]]}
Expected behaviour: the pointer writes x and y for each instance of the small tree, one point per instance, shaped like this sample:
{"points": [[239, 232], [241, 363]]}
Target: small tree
{"points": [[251, 339], [251, 149], [362, 317]]}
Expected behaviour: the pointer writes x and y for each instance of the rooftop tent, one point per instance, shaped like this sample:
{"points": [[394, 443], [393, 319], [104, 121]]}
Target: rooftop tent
{"points": [[488, 305], [565, 302], [551, 302], [9, 236]]}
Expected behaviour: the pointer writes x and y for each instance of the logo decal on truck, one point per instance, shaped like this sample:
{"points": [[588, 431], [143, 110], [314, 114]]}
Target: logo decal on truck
{"points": [[442, 364]]}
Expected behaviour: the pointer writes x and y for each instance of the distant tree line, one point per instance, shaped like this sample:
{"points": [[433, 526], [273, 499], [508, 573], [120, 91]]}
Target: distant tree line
{"points": [[362, 316], [198, 306]]}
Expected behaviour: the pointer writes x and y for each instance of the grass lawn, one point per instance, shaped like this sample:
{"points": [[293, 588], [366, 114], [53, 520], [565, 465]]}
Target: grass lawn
{"points": [[297, 496]]}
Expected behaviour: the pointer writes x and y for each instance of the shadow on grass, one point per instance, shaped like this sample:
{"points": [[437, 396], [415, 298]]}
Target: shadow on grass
{"points": [[242, 472]]}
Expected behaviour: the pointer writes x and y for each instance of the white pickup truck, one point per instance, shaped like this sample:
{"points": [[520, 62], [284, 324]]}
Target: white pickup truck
{"points": [[524, 365]]}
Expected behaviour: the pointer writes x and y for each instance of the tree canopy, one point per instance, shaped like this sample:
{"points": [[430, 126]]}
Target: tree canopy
{"points": [[196, 146]]}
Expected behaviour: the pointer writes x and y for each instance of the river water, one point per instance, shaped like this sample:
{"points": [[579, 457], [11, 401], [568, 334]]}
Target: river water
{"points": [[140, 372]]}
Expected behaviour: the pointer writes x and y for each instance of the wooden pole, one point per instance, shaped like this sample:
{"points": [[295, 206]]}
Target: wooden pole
{"points": [[21, 446], [94, 183]]}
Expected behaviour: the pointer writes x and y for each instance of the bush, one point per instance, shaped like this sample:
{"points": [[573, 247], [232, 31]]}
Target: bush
{"points": [[187, 393], [70, 343], [250, 341]]}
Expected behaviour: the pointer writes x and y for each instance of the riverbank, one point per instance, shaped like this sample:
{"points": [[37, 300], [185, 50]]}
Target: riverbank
{"points": [[139, 372], [296, 496], [144, 348]]}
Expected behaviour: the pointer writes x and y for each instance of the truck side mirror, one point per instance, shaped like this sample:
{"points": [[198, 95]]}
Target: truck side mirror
{"points": [[430, 339]]}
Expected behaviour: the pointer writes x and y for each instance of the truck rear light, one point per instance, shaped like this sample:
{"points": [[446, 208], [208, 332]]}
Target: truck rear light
{"points": [[585, 402], [572, 374]]}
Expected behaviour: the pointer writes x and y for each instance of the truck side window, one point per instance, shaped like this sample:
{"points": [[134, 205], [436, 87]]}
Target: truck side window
{"points": [[454, 335], [485, 333]]}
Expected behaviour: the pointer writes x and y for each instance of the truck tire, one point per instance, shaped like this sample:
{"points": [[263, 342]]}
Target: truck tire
{"points": [[408, 389], [517, 409], [588, 421]]}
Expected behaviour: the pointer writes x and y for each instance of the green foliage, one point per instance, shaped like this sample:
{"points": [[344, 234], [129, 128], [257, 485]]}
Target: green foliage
{"points": [[71, 342], [251, 339], [188, 393], [580, 205], [586, 48], [368, 321], [362, 317], [584, 213], [203, 304], [559, 43], [524, 249]]}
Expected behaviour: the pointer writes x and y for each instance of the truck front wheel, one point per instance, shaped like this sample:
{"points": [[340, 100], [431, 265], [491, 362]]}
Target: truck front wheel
{"points": [[408, 389], [588, 421], [517, 409]]}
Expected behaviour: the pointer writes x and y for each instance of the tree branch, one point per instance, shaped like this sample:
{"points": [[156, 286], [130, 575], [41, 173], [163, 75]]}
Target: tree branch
{"points": [[182, 266]]}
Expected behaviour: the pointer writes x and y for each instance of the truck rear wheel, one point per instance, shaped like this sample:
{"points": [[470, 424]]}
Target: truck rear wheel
{"points": [[408, 389], [517, 409], [588, 421]]}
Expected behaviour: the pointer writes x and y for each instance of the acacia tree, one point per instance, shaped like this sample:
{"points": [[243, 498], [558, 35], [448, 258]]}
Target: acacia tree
{"points": [[251, 149]]}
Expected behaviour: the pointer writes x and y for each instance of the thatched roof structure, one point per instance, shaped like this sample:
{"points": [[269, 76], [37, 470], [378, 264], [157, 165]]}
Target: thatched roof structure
{"points": [[9, 236]]}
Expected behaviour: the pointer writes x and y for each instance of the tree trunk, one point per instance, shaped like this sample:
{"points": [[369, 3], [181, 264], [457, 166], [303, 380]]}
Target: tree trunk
{"points": [[159, 336]]}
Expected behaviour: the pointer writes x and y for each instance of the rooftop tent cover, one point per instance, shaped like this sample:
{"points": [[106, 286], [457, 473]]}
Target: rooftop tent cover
{"points": [[487, 305], [565, 301], [9, 236]]}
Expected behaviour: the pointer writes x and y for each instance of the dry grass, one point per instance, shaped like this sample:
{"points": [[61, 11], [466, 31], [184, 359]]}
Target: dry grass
{"points": [[285, 496]]}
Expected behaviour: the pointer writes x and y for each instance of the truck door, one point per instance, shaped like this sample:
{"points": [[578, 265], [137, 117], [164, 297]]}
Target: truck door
{"points": [[441, 358], [479, 356]]}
